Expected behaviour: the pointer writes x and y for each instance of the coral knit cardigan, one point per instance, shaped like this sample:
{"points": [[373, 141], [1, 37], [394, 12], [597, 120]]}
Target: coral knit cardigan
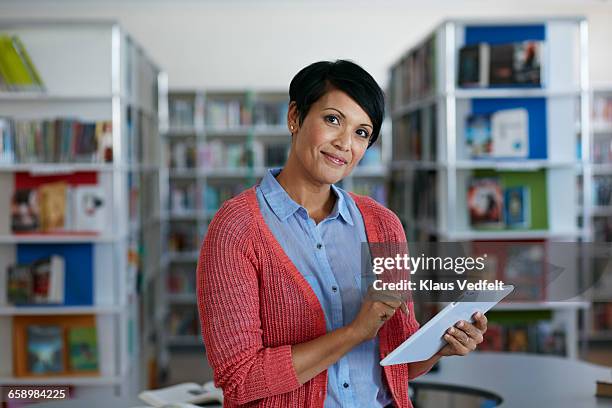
{"points": [[254, 305]]}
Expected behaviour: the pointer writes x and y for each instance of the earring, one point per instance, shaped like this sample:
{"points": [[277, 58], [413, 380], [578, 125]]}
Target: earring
{"points": [[291, 127]]}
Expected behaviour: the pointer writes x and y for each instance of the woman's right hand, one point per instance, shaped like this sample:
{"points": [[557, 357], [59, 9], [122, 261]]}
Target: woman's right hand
{"points": [[376, 309]]}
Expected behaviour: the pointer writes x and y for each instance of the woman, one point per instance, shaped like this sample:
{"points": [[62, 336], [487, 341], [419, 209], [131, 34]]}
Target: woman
{"points": [[279, 290]]}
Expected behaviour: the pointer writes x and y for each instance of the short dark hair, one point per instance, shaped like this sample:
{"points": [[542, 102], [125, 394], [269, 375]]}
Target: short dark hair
{"points": [[313, 81]]}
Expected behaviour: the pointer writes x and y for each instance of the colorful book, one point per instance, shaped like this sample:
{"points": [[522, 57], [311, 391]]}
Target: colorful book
{"points": [[474, 65], [83, 348], [19, 284], [90, 208], [25, 212], [527, 62], [45, 348], [501, 68], [485, 202], [510, 133], [48, 280], [52, 197], [516, 200], [478, 135]]}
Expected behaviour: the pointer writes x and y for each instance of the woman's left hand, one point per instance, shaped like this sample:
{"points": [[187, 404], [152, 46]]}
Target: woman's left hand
{"points": [[464, 337]]}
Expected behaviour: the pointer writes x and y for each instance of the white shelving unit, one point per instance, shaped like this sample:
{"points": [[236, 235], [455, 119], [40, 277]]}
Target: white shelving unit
{"points": [[93, 71], [434, 161], [596, 212]]}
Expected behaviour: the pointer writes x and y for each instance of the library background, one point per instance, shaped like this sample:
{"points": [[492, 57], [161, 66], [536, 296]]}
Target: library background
{"points": [[124, 126]]}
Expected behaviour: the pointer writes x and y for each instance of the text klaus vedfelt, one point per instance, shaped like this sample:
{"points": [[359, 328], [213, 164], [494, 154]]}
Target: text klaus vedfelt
{"points": [[459, 265]]}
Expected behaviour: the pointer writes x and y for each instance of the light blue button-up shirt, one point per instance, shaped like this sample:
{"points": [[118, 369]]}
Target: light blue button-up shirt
{"points": [[328, 255]]}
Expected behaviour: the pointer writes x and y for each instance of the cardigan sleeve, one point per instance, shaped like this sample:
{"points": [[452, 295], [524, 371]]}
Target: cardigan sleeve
{"points": [[228, 303]]}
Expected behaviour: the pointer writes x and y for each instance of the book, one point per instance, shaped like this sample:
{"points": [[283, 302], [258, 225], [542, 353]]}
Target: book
{"points": [[185, 393], [527, 61], [83, 348], [485, 202], [604, 389], [52, 201], [16, 67], [474, 65], [525, 269], [478, 135], [493, 339], [45, 349], [510, 133], [501, 68], [90, 208], [25, 212], [40, 282], [516, 206], [19, 284], [48, 280]]}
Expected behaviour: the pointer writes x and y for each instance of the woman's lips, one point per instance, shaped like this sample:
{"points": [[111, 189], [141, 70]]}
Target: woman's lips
{"points": [[338, 161]]}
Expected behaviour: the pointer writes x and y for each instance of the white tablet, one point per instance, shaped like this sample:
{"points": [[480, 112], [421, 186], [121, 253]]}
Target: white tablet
{"points": [[428, 340]]}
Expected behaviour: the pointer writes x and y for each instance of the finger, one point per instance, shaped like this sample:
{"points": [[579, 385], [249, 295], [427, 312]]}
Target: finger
{"points": [[480, 321], [471, 330], [458, 348], [461, 336]]}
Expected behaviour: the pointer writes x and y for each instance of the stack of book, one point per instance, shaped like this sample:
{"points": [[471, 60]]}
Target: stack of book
{"points": [[59, 207], [40, 282], [501, 134], [55, 141], [491, 205], [222, 114], [541, 337], [512, 64], [267, 113], [17, 71], [52, 346]]}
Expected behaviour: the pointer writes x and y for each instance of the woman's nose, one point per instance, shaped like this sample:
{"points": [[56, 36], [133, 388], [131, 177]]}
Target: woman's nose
{"points": [[343, 140]]}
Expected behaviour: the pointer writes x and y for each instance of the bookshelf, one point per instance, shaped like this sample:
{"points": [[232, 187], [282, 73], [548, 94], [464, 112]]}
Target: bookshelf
{"points": [[596, 216], [218, 143], [91, 132], [454, 96]]}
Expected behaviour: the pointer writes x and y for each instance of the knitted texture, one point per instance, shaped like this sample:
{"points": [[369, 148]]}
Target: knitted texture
{"points": [[254, 305]]}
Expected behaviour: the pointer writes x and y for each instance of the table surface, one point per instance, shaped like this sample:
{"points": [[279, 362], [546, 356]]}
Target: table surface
{"points": [[520, 380], [524, 380]]}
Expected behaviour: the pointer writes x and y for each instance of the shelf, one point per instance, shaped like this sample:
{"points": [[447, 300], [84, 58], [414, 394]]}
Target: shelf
{"points": [[187, 340], [601, 168], [183, 256], [513, 93], [602, 335], [229, 131], [56, 238], [602, 129], [271, 130], [602, 211], [369, 171], [491, 235], [46, 97], [187, 215], [218, 173], [182, 131], [416, 165], [415, 105], [55, 168], [49, 310], [188, 298], [512, 165]]}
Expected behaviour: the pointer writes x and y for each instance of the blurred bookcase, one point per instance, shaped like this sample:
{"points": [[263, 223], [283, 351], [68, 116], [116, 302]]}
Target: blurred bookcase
{"points": [[595, 213], [217, 144], [455, 166], [96, 79]]}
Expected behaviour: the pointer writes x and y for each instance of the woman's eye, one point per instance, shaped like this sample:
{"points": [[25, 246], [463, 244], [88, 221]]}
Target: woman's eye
{"points": [[332, 119], [363, 133]]}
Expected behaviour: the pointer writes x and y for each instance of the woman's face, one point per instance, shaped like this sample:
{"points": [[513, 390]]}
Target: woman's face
{"points": [[332, 138]]}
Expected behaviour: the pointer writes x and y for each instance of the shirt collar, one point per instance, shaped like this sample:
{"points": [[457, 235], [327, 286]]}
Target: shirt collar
{"points": [[283, 206]]}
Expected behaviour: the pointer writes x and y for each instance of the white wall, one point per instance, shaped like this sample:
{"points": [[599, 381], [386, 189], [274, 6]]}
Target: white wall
{"points": [[262, 44]]}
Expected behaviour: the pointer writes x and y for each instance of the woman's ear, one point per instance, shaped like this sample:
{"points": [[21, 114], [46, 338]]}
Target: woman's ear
{"points": [[293, 118]]}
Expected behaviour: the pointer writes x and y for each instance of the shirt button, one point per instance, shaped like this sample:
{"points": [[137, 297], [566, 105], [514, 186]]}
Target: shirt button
{"points": [[334, 288], [345, 385], [319, 246]]}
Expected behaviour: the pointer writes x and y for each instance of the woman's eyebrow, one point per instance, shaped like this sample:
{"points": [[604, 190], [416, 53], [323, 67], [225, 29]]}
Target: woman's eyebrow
{"points": [[344, 117]]}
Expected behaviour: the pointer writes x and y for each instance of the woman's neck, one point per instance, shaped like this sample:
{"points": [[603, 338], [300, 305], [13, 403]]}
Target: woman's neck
{"points": [[316, 198]]}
